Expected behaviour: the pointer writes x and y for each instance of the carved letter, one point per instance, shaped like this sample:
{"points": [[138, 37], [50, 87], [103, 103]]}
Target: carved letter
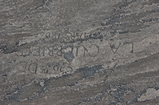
{"points": [[33, 67], [132, 46], [44, 69], [23, 65], [26, 54], [93, 51], [59, 49], [50, 53], [113, 47], [77, 50], [37, 53]]}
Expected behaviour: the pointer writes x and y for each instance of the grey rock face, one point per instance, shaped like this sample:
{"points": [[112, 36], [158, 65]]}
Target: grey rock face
{"points": [[79, 52]]}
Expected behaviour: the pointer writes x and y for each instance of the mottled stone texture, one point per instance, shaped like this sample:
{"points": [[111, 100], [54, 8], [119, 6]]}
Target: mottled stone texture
{"points": [[79, 52]]}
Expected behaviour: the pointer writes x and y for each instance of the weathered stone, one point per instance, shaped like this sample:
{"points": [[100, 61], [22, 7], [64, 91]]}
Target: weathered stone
{"points": [[79, 52]]}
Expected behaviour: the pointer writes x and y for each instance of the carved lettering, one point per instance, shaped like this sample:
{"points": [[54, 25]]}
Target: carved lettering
{"points": [[44, 69], [37, 52], [58, 48], [113, 48], [50, 51], [33, 67], [84, 50], [97, 48], [26, 52], [57, 67], [132, 46], [23, 65]]}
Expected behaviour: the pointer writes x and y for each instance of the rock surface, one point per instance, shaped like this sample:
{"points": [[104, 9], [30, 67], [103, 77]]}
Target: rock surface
{"points": [[79, 52]]}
